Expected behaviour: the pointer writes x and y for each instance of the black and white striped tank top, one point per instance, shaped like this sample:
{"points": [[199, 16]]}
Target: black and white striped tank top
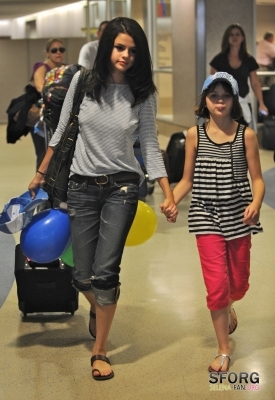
{"points": [[221, 190]]}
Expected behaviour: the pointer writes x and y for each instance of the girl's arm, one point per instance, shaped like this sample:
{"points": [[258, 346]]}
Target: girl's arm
{"points": [[256, 87], [185, 184], [252, 212]]}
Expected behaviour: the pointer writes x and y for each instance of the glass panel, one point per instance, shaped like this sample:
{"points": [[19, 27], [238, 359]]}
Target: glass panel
{"points": [[139, 12], [163, 58], [163, 34], [164, 81], [97, 14], [118, 8]]}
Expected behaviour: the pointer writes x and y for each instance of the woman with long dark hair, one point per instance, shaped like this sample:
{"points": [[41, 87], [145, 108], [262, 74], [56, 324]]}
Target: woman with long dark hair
{"points": [[119, 106], [235, 59]]}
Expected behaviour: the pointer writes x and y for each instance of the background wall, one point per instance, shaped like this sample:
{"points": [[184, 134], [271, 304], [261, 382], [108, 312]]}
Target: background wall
{"points": [[184, 61]]}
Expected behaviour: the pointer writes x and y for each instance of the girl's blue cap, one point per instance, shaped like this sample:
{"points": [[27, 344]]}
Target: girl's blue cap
{"points": [[221, 77]]}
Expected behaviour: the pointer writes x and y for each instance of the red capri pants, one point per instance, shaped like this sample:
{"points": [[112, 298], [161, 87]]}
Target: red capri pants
{"points": [[225, 268]]}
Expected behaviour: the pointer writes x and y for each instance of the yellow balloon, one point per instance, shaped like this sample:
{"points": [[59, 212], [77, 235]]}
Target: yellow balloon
{"points": [[144, 225]]}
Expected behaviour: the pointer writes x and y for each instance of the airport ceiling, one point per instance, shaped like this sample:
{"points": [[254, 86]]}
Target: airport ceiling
{"points": [[18, 8]]}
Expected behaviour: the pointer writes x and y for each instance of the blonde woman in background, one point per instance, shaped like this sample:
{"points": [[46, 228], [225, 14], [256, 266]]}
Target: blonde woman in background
{"points": [[55, 52]]}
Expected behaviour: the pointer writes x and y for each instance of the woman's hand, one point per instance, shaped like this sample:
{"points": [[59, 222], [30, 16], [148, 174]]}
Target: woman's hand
{"points": [[37, 182]]}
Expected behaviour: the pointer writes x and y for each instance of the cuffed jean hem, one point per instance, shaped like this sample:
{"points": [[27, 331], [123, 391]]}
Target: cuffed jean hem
{"points": [[83, 287], [103, 297], [107, 297]]}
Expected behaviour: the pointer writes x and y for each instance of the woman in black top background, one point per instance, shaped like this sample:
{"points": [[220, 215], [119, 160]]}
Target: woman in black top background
{"points": [[235, 59]]}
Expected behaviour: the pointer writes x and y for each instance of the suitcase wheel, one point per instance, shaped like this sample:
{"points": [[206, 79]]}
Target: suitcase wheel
{"points": [[72, 306], [23, 307]]}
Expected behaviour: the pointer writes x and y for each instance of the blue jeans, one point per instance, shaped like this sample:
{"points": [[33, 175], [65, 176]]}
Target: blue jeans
{"points": [[101, 217]]}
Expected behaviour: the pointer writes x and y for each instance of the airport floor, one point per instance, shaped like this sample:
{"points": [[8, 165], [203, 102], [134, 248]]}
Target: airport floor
{"points": [[162, 339]]}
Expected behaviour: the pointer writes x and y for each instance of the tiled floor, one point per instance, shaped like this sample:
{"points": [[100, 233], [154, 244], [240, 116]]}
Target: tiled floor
{"points": [[161, 340]]}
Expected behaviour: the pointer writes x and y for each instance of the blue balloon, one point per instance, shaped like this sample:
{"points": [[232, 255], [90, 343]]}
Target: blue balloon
{"points": [[47, 236]]}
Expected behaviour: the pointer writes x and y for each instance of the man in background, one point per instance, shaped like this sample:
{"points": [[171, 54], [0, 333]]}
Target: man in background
{"points": [[88, 51], [266, 57]]}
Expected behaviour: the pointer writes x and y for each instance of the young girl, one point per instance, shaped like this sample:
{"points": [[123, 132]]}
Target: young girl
{"points": [[119, 106], [222, 213]]}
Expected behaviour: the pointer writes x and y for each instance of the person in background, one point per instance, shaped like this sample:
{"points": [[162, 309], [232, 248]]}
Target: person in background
{"points": [[223, 213], [235, 59], [88, 51], [266, 52], [54, 58], [265, 57], [118, 107]]}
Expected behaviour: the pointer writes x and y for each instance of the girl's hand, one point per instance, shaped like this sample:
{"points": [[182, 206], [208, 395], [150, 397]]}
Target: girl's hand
{"points": [[251, 215], [169, 209]]}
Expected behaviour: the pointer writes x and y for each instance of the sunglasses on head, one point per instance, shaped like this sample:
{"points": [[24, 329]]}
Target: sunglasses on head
{"points": [[56, 49]]}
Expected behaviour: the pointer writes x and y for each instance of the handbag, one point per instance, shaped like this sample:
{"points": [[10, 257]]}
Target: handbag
{"points": [[57, 175], [23, 113]]}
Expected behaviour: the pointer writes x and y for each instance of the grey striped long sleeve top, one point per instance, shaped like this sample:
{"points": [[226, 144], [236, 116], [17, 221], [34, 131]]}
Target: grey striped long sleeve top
{"points": [[108, 131]]}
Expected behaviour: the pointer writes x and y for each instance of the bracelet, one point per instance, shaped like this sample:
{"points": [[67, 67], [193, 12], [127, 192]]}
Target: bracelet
{"points": [[42, 173]]}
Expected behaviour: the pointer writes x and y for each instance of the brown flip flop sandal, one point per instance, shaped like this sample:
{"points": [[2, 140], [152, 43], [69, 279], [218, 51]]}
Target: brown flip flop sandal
{"points": [[101, 377]]}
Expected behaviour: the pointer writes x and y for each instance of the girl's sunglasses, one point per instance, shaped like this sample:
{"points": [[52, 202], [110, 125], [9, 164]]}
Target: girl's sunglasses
{"points": [[56, 49]]}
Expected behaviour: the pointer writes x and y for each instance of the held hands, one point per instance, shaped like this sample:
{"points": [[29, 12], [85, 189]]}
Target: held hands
{"points": [[251, 215], [169, 209]]}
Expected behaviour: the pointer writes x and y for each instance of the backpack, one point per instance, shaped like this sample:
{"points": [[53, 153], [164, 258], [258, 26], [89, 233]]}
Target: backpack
{"points": [[57, 82], [18, 114]]}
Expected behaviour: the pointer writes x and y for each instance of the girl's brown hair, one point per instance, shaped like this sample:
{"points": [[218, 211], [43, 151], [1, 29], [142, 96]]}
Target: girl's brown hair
{"points": [[201, 111]]}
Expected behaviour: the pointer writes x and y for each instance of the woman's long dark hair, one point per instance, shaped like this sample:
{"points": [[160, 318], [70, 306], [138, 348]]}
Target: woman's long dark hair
{"points": [[243, 52], [139, 76]]}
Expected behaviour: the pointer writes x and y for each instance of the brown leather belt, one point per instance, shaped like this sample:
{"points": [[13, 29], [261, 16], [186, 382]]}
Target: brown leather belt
{"points": [[103, 180]]}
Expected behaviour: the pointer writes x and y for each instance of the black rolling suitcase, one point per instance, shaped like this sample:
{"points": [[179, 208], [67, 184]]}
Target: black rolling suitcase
{"points": [[268, 137], [176, 156], [44, 287]]}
